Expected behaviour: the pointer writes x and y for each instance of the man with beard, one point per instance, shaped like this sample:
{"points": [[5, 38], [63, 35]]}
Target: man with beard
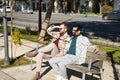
{"points": [[56, 47]]}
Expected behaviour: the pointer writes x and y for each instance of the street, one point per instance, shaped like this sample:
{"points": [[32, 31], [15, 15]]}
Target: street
{"points": [[93, 26], [32, 19]]}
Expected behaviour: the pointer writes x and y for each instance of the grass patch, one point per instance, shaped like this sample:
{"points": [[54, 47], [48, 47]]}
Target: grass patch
{"points": [[15, 62], [28, 34], [113, 53], [30, 37]]}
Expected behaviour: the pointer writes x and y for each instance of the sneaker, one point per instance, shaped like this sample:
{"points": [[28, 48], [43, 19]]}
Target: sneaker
{"points": [[59, 77], [31, 54], [64, 79]]}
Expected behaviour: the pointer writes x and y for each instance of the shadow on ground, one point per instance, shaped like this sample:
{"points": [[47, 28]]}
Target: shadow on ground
{"points": [[115, 70], [79, 75], [46, 64], [107, 30]]}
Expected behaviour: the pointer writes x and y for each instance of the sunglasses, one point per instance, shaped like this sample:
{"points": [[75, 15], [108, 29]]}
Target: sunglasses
{"points": [[75, 30]]}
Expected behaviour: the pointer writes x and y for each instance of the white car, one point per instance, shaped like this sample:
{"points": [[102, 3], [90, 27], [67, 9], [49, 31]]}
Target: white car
{"points": [[27, 11], [8, 9]]}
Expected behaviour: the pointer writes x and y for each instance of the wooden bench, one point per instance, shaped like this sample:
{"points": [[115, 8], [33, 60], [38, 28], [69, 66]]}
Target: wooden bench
{"points": [[93, 65]]}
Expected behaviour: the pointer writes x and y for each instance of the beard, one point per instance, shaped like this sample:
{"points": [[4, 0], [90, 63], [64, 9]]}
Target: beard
{"points": [[62, 33], [74, 34]]}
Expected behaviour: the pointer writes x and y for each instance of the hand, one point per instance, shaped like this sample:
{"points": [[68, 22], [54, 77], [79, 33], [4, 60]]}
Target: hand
{"points": [[58, 55], [96, 50], [53, 26]]}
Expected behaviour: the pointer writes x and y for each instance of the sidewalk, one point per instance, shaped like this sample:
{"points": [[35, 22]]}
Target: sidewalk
{"points": [[25, 73]]}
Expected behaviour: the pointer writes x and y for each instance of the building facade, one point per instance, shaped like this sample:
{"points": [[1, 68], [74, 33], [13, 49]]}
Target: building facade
{"points": [[116, 4], [59, 5]]}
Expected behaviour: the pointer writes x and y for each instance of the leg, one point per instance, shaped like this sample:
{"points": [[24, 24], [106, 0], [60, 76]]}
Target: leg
{"points": [[68, 59], [59, 63], [54, 63], [51, 47]]}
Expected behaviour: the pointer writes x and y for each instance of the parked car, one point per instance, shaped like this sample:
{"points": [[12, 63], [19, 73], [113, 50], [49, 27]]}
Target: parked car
{"points": [[27, 11], [8, 9], [115, 15]]}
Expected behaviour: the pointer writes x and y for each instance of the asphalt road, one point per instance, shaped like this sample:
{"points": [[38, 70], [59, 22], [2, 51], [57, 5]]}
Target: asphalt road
{"points": [[92, 25]]}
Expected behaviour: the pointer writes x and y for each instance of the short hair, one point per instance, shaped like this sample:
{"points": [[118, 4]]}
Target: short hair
{"points": [[65, 24], [79, 27]]}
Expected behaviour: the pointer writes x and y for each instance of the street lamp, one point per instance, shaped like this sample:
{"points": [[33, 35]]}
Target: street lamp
{"points": [[6, 58]]}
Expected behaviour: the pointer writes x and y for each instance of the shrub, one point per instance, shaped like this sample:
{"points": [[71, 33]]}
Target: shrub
{"points": [[107, 9], [16, 37]]}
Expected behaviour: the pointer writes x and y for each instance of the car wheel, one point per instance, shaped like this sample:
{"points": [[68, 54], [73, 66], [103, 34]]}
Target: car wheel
{"points": [[105, 18]]}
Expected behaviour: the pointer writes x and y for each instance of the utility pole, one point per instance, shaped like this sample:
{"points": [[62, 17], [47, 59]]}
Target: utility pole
{"points": [[39, 16], [6, 58]]}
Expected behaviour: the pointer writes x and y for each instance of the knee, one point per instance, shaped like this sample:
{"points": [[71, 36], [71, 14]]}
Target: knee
{"points": [[40, 54], [62, 65], [40, 51], [51, 62]]}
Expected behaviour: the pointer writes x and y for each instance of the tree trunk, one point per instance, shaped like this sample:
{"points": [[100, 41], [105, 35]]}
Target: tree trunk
{"points": [[77, 6], [46, 21], [100, 6], [65, 3], [15, 51], [57, 6], [11, 26], [30, 5], [60, 6]]}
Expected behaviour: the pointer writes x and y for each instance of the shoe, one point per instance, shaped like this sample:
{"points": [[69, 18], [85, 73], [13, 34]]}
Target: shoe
{"points": [[59, 77], [37, 76], [64, 79], [31, 54]]}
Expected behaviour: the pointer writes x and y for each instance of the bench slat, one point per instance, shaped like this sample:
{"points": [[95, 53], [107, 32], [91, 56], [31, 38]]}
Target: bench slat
{"points": [[96, 67]]}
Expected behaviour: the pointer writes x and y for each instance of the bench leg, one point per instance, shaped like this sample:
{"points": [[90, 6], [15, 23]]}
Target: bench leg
{"points": [[31, 64], [101, 76], [83, 76]]}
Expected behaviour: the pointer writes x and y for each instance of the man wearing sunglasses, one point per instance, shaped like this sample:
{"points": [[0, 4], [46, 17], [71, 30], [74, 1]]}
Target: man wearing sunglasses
{"points": [[76, 53]]}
